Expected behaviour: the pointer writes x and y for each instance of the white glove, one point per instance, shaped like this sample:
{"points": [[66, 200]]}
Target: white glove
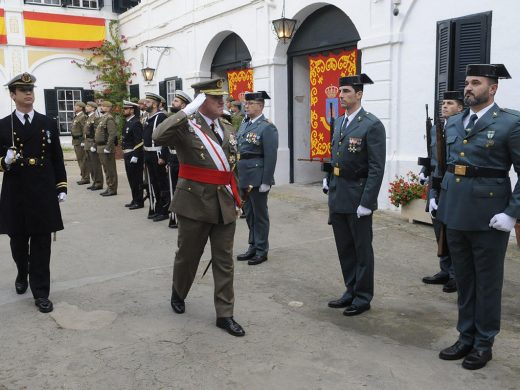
{"points": [[432, 205], [502, 222], [363, 211], [422, 179], [195, 104], [93, 149], [106, 151], [82, 144], [264, 188], [325, 185], [133, 160], [10, 156], [62, 197]]}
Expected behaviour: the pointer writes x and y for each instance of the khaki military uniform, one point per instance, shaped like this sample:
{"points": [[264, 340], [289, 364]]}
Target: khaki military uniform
{"points": [[105, 139], [93, 163], [77, 141], [203, 210]]}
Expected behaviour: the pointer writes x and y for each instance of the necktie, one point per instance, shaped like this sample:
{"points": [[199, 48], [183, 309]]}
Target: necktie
{"points": [[219, 138], [472, 119], [343, 126], [27, 122]]}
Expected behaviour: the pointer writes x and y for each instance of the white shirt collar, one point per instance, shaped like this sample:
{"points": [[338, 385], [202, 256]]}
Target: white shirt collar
{"points": [[217, 125], [352, 116], [481, 112], [20, 116], [254, 120]]}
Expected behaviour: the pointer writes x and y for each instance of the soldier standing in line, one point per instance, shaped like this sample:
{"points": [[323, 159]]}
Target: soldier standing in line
{"points": [[155, 158], [358, 162], [206, 198], [34, 182], [78, 141], [179, 102], [143, 116], [93, 163], [236, 114], [132, 143], [257, 141], [106, 139], [479, 210]]}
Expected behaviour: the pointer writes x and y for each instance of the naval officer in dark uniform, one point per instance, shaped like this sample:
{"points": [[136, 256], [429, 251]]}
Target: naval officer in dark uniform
{"points": [[34, 182], [206, 198], [479, 210], [132, 144], [257, 143], [358, 161]]}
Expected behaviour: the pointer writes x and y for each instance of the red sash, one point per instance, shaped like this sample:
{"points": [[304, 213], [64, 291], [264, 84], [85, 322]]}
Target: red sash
{"points": [[210, 176]]}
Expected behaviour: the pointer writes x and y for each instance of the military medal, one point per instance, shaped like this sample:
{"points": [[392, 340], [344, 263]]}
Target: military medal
{"points": [[353, 144], [202, 157], [490, 134]]}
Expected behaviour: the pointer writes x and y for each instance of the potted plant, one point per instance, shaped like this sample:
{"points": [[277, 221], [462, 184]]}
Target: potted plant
{"points": [[409, 194]]}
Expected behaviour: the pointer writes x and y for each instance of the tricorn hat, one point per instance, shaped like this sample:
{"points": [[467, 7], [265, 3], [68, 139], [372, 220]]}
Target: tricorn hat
{"points": [[259, 95], [453, 95], [494, 71], [210, 87], [358, 79]]}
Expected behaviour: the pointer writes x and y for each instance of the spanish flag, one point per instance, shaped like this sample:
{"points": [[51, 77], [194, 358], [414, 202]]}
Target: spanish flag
{"points": [[3, 32], [73, 32]]}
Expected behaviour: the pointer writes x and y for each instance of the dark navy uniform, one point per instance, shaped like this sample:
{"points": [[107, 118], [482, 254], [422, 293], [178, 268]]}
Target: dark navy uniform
{"points": [[132, 144]]}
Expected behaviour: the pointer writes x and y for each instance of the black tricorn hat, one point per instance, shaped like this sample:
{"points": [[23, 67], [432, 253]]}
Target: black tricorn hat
{"points": [[494, 71], [260, 95], [358, 79], [453, 95]]}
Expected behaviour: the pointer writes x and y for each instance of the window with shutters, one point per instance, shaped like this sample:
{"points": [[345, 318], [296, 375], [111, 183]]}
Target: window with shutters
{"points": [[460, 41], [59, 105], [172, 85]]}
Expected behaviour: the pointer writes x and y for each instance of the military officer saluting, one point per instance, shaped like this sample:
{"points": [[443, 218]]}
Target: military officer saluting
{"points": [[257, 141], [106, 139], [78, 141], [93, 163], [34, 181], [132, 143], [206, 198], [358, 161], [479, 210]]}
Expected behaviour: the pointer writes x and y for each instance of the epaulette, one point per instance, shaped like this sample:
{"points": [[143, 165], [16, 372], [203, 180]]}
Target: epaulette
{"points": [[367, 115], [511, 111]]}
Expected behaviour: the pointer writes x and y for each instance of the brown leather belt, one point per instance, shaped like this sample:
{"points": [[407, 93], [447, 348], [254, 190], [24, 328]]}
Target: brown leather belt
{"points": [[472, 171]]}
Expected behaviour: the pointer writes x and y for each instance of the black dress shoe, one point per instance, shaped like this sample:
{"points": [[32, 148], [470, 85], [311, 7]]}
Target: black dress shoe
{"points": [[21, 285], [477, 359], [152, 216], [354, 310], [257, 259], [177, 303], [455, 352], [231, 326], [160, 217], [450, 286], [108, 193], [44, 305], [130, 204], [96, 188], [341, 302], [90, 187], [438, 278], [249, 254], [82, 182], [136, 206]]}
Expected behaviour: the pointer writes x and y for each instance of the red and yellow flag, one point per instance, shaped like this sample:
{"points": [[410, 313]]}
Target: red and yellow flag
{"points": [[325, 71], [240, 81], [53, 30], [3, 31]]}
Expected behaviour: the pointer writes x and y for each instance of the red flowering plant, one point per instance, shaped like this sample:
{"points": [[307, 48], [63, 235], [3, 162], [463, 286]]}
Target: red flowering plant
{"points": [[113, 71], [403, 190]]}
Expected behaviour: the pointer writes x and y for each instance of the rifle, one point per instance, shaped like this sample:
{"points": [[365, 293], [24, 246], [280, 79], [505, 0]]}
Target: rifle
{"points": [[327, 166], [427, 161], [436, 179]]}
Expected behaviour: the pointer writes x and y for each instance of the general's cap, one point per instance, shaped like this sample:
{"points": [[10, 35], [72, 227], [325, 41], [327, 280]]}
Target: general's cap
{"points": [[154, 96], [92, 104], [210, 87], [494, 71], [453, 95], [260, 95], [129, 104], [80, 104], [183, 96], [358, 79], [22, 80]]}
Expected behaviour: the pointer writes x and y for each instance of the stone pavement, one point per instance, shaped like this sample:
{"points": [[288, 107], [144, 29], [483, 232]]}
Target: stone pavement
{"points": [[113, 327]]}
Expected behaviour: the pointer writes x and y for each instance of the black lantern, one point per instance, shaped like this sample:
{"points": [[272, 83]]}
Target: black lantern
{"points": [[283, 27]]}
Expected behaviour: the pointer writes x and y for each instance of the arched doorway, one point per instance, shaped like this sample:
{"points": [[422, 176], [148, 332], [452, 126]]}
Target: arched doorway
{"points": [[327, 30]]}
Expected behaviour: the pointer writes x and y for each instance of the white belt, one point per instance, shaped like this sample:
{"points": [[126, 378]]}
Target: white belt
{"points": [[128, 150], [152, 148]]}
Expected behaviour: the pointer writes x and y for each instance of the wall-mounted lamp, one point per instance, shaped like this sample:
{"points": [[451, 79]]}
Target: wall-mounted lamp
{"points": [[283, 27], [148, 72], [396, 4]]}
